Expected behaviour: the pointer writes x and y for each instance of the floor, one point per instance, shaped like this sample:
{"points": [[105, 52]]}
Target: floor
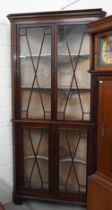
{"points": [[33, 205]]}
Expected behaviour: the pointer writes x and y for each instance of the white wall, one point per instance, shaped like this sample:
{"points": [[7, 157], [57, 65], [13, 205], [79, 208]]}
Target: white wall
{"points": [[12, 6], [17, 6]]}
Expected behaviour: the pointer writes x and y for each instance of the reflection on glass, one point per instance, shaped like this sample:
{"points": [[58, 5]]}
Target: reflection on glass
{"points": [[72, 75], [35, 72]]}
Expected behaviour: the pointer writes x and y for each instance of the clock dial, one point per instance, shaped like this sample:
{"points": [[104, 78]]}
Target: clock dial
{"points": [[106, 50], [103, 51]]}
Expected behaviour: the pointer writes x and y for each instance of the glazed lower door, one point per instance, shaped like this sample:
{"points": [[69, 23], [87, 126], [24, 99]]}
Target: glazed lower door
{"points": [[54, 162], [73, 162], [36, 158]]}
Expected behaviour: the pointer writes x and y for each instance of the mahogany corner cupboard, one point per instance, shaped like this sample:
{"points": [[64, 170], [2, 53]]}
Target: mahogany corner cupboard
{"points": [[54, 127]]}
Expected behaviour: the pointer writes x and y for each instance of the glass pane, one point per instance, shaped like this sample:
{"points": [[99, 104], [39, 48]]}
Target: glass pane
{"points": [[36, 158], [35, 72], [72, 160], [73, 77]]}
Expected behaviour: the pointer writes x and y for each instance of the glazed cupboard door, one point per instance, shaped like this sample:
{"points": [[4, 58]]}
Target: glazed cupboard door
{"points": [[35, 72], [33, 103], [73, 79], [32, 166], [36, 158], [73, 160], [73, 104]]}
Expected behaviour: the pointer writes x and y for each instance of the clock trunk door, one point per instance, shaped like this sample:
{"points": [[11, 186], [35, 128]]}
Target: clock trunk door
{"points": [[105, 127]]}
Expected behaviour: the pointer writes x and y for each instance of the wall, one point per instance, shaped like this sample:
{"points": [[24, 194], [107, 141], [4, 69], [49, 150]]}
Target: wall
{"points": [[5, 114], [6, 160]]}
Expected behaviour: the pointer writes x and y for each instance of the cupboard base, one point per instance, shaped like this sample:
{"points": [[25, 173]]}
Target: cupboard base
{"points": [[20, 198]]}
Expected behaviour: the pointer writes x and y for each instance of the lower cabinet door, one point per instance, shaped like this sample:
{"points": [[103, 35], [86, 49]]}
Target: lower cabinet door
{"points": [[73, 162], [36, 158], [51, 162]]}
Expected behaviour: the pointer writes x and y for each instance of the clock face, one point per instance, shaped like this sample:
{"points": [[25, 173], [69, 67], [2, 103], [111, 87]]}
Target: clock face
{"points": [[105, 51], [106, 54]]}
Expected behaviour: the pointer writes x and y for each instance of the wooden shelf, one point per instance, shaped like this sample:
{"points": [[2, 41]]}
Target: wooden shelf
{"points": [[38, 157], [69, 159], [63, 55], [58, 88], [41, 155], [36, 88], [75, 90], [34, 56], [65, 157], [83, 56]]}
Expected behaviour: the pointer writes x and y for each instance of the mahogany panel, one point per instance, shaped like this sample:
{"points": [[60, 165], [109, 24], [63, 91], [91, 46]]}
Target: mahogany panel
{"points": [[104, 153], [99, 194]]}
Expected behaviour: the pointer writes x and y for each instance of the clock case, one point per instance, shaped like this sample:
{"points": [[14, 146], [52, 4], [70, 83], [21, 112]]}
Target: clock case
{"points": [[99, 64], [99, 195]]}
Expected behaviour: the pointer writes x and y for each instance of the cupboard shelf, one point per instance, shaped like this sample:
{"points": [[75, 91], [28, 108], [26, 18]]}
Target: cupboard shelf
{"points": [[34, 56], [38, 157], [68, 159], [68, 156], [60, 89], [62, 55]]}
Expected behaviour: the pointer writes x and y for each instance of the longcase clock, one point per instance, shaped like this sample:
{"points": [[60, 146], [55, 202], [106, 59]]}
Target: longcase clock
{"points": [[100, 183]]}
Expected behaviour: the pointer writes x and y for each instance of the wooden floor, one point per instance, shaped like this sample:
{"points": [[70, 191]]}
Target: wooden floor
{"points": [[42, 206]]}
